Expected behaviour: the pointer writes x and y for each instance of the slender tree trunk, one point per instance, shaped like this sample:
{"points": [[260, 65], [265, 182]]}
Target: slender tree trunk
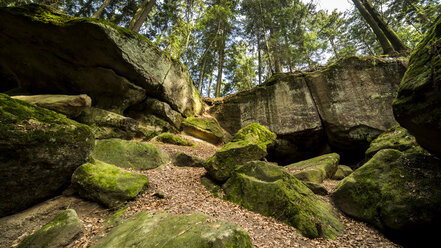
{"points": [[393, 38], [141, 15], [221, 64], [259, 56], [334, 48], [101, 9], [84, 8], [384, 42], [211, 81], [268, 53], [205, 54]]}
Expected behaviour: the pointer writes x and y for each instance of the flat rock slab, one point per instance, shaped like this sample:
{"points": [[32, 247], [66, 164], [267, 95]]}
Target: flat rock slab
{"points": [[130, 154], [316, 169], [205, 128], [108, 184], [166, 230]]}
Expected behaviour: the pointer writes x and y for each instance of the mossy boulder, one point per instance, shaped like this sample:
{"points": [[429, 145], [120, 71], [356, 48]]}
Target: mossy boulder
{"points": [[271, 191], [106, 125], [400, 193], [59, 232], [116, 67], [318, 189], [108, 184], [130, 154], [173, 139], [205, 128], [39, 151], [397, 138], [182, 159], [342, 172], [166, 230], [417, 106], [316, 169], [71, 106], [248, 144]]}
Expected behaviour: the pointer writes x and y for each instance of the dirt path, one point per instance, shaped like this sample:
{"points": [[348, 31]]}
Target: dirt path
{"points": [[184, 193]]}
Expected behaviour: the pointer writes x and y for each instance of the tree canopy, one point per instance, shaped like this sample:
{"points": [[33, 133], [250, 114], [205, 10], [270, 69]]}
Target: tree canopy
{"points": [[238, 44]]}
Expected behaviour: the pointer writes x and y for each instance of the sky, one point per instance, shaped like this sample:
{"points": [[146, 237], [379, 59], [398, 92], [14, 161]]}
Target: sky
{"points": [[340, 5]]}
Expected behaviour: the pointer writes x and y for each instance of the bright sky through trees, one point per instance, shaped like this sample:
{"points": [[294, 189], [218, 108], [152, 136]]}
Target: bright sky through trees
{"points": [[340, 5]]}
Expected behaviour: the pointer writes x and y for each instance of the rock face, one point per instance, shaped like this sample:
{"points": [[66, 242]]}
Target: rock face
{"points": [[272, 191], [57, 233], [398, 192], [167, 230], [342, 172], [130, 154], [108, 184], [117, 68], [315, 170], [248, 144], [418, 102], [347, 103], [71, 106], [39, 151], [107, 125], [205, 128]]}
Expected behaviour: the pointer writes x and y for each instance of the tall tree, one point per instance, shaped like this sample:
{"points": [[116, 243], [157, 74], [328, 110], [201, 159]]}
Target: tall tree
{"points": [[100, 10], [141, 15]]}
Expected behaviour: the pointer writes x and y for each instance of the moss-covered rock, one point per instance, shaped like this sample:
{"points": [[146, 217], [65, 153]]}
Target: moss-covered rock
{"points": [[214, 188], [173, 139], [272, 191], [248, 144], [205, 128], [116, 67], [39, 151], [182, 159], [397, 138], [342, 172], [166, 230], [418, 102], [316, 169], [129, 154], [106, 125], [59, 232], [108, 184], [400, 193], [71, 106], [318, 189]]}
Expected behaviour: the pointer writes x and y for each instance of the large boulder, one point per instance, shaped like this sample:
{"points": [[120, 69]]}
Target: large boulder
{"points": [[346, 104], [315, 170], [106, 125], [130, 154], [166, 230], [205, 128], [39, 151], [116, 67], [248, 144], [71, 106], [271, 191], [400, 193], [417, 106], [59, 232], [108, 184], [185, 160], [396, 137]]}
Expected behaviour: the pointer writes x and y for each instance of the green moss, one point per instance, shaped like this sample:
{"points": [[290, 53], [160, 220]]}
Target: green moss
{"points": [[207, 124], [173, 139], [316, 169], [271, 191], [107, 183], [394, 138], [130, 154], [255, 133]]}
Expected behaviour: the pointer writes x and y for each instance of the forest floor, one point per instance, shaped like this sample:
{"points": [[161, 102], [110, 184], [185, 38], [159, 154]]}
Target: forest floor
{"points": [[182, 192]]}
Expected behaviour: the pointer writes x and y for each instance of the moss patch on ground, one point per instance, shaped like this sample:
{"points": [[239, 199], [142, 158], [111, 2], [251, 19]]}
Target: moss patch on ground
{"points": [[173, 139]]}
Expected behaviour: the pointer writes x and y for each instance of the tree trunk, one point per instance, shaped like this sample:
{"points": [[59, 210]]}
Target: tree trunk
{"points": [[101, 9], [334, 48], [393, 38], [268, 53], [205, 54], [84, 8], [211, 82], [221, 64], [384, 42], [141, 15], [259, 56]]}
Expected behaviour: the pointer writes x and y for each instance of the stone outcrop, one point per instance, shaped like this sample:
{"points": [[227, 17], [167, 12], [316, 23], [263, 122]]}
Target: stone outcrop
{"points": [[116, 67], [346, 104], [315, 170], [271, 191], [108, 184], [248, 144], [194, 230], [184, 160], [417, 106], [59, 232], [39, 151], [205, 128], [71, 106], [398, 192], [342, 172], [130, 154]]}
